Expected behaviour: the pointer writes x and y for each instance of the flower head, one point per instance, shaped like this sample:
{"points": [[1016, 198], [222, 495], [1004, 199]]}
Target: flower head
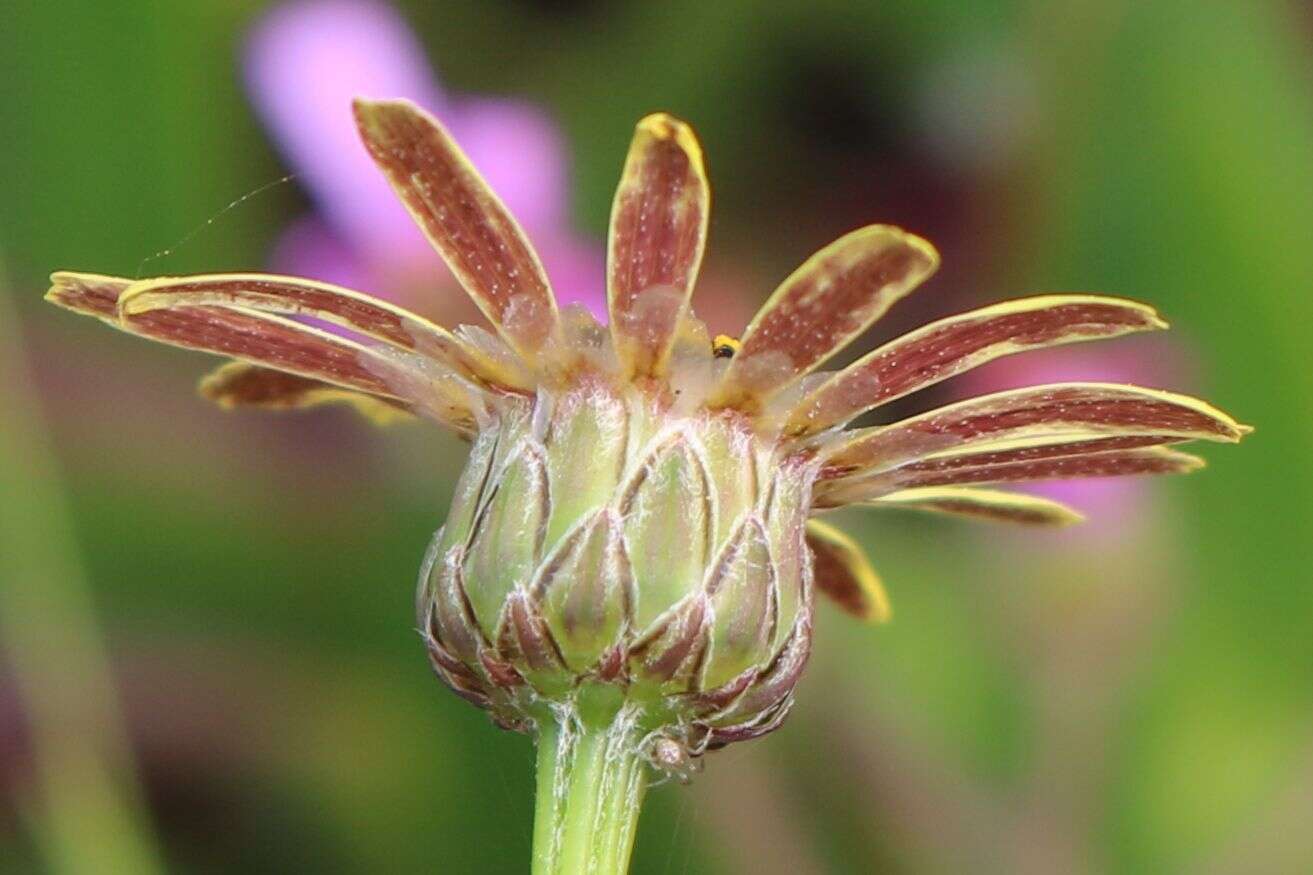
{"points": [[634, 527]]}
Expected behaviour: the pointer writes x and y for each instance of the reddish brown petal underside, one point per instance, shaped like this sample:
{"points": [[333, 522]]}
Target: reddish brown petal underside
{"points": [[240, 384], [657, 237], [1093, 409], [270, 341], [951, 346], [823, 305], [462, 217], [1079, 445], [1115, 463], [842, 572], [283, 295], [1151, 460], [255, 337]]}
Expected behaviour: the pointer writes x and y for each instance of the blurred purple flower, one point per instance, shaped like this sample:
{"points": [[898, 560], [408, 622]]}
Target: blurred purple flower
{"points": [[306, 60]]}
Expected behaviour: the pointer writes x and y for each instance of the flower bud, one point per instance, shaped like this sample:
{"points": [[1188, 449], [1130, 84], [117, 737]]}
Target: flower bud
{"points": [[596, 539]]}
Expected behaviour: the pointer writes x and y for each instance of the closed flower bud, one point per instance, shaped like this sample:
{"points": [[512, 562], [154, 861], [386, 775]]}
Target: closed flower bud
{"points": [[599, 539]]}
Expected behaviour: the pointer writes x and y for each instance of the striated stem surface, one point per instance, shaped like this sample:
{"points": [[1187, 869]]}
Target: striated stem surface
{"points": [[591, 778]]}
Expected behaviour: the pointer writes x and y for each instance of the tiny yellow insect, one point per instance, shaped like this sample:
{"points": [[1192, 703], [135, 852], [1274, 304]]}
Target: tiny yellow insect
{"points": [[724, 346]]}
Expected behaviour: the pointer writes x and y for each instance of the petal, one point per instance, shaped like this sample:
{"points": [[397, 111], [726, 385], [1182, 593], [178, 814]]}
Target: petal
{"points": [[90, 294], [480, 241], [1114, 463], [658, 233], [951, 346], [239, 384], [990, 504], [259, 338], [302, 297], [1030, 448], [834, 296], [272, 341], [842, 572], [1037, 412]]}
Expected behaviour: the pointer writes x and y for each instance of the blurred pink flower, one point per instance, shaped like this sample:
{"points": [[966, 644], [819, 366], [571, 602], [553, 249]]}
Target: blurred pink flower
{"points": [[305, 61]]}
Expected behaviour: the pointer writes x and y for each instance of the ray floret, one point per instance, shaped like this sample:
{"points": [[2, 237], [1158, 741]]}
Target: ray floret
{"points": [[988, 504], [463, 218], [657, 236], [957, 344], [823, 306]]}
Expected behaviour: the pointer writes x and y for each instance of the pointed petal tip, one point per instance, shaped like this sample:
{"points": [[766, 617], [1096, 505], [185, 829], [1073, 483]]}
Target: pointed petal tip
{"points": [[660, 122], [924, 246], [986, 504], [1232, 430], [63, 280], [368, 110], [471, 228], [1071, 518], [878, 612], [1225, 428], [1153, 320], [373, 114]]}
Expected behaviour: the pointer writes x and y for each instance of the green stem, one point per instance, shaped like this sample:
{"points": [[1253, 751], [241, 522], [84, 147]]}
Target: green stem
{"points": [[590, 790], [88, 808]]}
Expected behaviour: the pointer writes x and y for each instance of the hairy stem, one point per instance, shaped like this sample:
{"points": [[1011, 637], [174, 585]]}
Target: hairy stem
{"points": [[591, 780]]}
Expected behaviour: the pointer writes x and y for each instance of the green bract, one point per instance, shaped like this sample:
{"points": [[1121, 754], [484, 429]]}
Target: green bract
{"points": [[596, 542]]}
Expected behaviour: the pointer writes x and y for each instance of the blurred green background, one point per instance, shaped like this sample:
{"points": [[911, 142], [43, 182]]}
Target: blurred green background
{"points": [[207, 628]]}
